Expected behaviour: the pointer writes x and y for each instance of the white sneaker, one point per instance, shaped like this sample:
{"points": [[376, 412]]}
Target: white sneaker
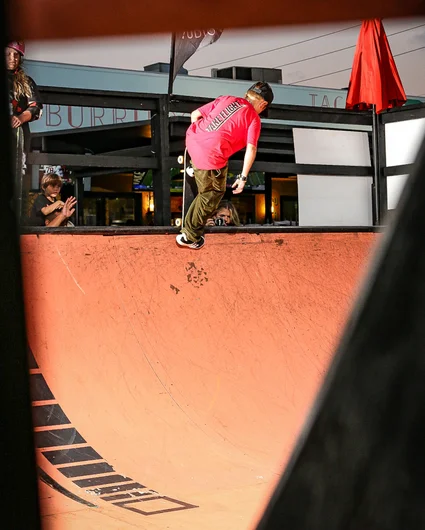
{"points": [[195, 245]]}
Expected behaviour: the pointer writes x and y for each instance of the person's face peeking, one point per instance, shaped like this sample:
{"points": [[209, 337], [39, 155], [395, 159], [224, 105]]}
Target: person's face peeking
{"points": [[224, 213], [12, 59]]}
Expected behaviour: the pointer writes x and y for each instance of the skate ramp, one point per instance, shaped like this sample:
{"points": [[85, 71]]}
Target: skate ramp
{"points": [[169, 385]]}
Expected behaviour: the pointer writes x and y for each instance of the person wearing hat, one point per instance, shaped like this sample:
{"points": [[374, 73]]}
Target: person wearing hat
{"points": [[218, 130], [24, 96]]}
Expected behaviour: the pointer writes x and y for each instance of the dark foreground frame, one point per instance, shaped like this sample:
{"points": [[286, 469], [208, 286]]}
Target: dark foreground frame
{"points": [[18, 490], [359, 463]]}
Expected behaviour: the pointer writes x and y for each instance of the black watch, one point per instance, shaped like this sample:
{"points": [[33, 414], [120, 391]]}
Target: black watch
{"points": [[242, 177]]}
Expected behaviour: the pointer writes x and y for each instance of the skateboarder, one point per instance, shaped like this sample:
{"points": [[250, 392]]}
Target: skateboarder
{"points": [[218, 130]]}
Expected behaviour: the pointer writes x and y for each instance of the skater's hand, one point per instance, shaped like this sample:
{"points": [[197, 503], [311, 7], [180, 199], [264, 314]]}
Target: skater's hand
{"points": [[238, 186]]}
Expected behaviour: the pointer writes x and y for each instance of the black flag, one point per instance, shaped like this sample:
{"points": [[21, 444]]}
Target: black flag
{"points": [[185, 44]]}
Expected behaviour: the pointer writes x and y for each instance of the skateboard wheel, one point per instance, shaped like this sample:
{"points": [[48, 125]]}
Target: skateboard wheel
{"points": [[180, 159]]}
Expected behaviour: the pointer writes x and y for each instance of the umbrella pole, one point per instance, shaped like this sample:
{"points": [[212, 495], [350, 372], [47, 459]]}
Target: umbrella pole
{"points": [[376, 207]]}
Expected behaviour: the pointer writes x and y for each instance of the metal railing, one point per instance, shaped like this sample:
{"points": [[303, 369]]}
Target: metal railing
{"points": [[18, 159]]}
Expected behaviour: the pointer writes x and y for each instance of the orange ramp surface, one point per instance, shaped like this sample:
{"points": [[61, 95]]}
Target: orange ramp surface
{"points": [[169, 385]]}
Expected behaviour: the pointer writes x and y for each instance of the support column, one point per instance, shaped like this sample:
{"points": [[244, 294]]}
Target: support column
{"points": [[379, 187], [382, 163], [268, 198], [18, 137], [79, 207], [161, 175]]}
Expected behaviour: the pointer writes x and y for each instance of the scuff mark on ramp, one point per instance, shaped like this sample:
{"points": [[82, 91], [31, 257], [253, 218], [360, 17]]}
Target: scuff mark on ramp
{"points": [[69, 270]]}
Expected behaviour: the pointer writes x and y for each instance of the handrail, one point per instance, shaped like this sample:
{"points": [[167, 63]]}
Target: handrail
{"points": [[170, 230]]}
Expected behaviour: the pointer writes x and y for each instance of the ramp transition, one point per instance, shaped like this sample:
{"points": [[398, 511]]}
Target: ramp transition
{"points": [[169, 385]]}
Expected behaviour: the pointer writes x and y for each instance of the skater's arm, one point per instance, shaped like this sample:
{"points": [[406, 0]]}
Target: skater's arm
{"points": [[195, 116], [250, 154]]}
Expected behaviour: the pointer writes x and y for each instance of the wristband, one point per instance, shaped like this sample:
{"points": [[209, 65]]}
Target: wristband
{"points": [[242, 177]]}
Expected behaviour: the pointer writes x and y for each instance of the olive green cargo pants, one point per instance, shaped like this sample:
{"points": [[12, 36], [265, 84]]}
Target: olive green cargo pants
{"points": [[211, 188]]}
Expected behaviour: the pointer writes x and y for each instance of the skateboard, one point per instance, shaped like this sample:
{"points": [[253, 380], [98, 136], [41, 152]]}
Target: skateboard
{"points": [[190, 189]]}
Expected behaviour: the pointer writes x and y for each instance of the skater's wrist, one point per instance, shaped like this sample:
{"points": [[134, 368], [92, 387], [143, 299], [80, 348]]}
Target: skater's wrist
{"points": [[242, 177]]}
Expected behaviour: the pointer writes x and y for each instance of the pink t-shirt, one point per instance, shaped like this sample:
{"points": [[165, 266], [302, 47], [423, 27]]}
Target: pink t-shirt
{"points": [[227, 126]]}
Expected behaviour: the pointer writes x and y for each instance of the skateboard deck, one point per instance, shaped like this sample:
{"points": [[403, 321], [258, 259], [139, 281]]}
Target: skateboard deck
{"points": [[190, 189]]}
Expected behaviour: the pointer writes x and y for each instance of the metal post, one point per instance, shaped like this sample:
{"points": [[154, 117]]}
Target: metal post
{"points": [[79, 207], [379, 195], [19, 491], [18, 171], [172, 62], [382, 163], [161, 175], [375, 163], [138, 208], [268, 197]]}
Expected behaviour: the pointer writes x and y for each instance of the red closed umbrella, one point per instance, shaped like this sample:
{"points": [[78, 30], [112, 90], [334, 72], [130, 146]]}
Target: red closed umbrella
{"points": [[374, 77], [375, 84]]}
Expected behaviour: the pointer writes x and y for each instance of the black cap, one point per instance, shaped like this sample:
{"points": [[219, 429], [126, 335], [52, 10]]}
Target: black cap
{"points": [[264, 90]]}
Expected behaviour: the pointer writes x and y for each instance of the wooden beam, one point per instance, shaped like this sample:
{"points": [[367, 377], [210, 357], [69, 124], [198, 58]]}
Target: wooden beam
{"points": [[65, 159], [141, 151], [304, 169], [404, 169], [98, 98], [409, 112], [66, 19]]}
